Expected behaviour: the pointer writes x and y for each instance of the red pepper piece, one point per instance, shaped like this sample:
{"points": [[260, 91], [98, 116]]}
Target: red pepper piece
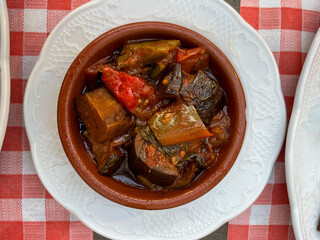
{"points": [[126, 88], [193, 59]]}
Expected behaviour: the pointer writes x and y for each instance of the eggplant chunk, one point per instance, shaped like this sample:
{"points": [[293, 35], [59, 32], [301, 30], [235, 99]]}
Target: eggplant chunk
{"points": [[201, 91], [171, 84], [218, 101], [220, 127], [107, 157], [103, 116], [155, 166]]}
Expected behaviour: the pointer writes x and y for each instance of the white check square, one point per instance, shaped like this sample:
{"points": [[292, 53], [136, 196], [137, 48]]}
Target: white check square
{"points": [[270, 3], [35, 20], [28, 63], [272, 38], [33, 209], [260, 214]]}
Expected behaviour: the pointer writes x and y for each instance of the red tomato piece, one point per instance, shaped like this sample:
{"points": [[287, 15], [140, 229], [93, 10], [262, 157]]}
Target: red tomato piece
{"points": [[193, 59], [126, 88]]}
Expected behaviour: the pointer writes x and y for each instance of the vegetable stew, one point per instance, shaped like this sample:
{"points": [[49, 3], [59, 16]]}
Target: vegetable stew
{"points": [[153, 115]]}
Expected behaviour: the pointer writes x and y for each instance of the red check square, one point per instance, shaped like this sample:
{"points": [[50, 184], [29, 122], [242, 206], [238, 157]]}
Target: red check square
{"points": [[289, 105], [57, 230], [280, 194], [16, 91], [11, 230], [13, 139], [59, 4], [251, 15], [10, 186], [291, 18], [278, 232], [290, 63], [15, 3], [16, 43]]}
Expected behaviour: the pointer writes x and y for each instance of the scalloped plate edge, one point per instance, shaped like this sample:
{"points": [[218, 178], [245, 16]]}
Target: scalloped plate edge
{"points": [[279, 94], [4, 69], [292, 129]]}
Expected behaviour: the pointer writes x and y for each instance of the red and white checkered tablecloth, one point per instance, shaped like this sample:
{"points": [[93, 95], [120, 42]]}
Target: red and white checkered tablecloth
{"points": [[27, 211], [288, 27]]}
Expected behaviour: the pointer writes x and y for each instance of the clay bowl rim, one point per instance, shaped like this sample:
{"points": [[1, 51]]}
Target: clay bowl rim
{"points": [[74, 147]]}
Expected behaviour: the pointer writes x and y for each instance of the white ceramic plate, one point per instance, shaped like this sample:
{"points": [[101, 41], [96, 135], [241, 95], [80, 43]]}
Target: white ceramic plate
{"points": [[265, 114], [303, 149], [4, 69]]}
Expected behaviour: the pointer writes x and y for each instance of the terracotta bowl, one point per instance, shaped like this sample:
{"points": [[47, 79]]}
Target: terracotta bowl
{"points": [[74, 147]]}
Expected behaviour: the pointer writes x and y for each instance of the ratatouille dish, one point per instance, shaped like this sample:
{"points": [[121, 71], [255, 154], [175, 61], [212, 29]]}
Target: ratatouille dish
{"points": [[153, 115]]}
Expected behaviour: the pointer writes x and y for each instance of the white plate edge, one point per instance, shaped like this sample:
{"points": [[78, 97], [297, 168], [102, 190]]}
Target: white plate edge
{"points": [[284, 122], [4, 69], [279, 94], [293, 124]]}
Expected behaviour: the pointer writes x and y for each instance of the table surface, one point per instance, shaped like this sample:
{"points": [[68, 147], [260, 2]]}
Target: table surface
{"points": [[222, 232]]}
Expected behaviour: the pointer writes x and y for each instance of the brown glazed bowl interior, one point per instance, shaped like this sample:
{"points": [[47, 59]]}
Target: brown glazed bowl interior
{"points": [[74, 147]]}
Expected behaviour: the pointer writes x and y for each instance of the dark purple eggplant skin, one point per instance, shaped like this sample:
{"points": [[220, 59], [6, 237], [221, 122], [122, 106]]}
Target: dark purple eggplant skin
{"points": [[160, 175], [201, 91], [171, 84], [112, 164]]}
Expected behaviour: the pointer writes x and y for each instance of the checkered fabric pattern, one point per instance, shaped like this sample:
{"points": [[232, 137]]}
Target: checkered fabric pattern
{"points": [[288, 27], [27, 211]]}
